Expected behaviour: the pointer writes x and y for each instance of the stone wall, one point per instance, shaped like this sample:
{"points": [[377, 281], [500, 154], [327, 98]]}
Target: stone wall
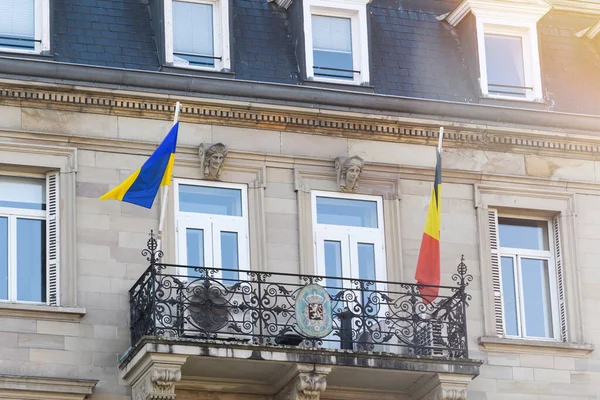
{"points": [[110, 236]]}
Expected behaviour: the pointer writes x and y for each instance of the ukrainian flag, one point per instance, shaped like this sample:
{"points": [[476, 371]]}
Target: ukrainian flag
{"points": [[141, 186]]}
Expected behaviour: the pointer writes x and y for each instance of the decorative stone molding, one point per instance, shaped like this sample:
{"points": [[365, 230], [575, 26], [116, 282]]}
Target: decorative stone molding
{"points": [[348, 171], [153, 376], [308, 383], [390, 129], [444, 387], [35, 388], [211, 160]]}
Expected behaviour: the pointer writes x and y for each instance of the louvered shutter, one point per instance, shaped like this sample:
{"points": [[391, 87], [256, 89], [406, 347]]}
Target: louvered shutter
{"points": [[495, 261], [562, 309], [52, 238]]}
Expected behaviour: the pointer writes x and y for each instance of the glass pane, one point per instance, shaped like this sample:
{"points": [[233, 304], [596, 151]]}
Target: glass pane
{"points": [[366, 271], [23, 193], [536, 298], [229, 256], [523, 233], [333, 264], [193, 33], [31, 260], [334, 211], [3, 258], [509, 296], [332, 47], [194, 239], [17, 24], [504, 62], [210, 200], [366, 261]]}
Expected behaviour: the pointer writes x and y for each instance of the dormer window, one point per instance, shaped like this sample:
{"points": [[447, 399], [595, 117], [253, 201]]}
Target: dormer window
{"points": [[197, 34], [332, 47], [24, 26], [336, 41], [505, 66], [507, 44]]}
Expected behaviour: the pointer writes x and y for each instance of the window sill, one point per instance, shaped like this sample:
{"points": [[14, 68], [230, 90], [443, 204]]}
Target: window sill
{"points": [[40, 311], [518, 103], [179, 69], [29, 55], [504, 345], [341, 85]]}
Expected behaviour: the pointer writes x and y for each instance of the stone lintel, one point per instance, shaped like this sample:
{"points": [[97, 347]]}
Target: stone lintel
{"points": [[305, 382]]}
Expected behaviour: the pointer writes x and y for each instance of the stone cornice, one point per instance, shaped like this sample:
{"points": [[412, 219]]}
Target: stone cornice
{"points": [[379, 127], [582, 6]]}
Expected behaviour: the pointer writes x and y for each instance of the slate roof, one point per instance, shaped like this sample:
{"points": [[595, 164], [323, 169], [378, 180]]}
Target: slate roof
{"points": [[412, 53]]}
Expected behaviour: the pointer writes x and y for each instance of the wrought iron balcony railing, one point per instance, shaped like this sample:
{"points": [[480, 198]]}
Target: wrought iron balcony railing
{"points": [[300, 310]]}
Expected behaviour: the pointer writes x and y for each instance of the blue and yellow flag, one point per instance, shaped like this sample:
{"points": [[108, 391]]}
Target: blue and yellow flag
{"points": [[141, 186]]}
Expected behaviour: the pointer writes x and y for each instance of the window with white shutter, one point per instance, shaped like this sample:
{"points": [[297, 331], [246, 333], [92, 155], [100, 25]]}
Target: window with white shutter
{"points": [[197, 34], [336, 41], [24, 26], [527, 275], [29, 242], [52, 237]]}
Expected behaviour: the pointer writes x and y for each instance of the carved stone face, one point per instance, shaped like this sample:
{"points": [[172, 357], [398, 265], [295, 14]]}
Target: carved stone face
{"points": [[215, 162], [352, 174]]}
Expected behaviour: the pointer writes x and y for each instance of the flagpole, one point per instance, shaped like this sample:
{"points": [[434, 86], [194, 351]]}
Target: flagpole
{"points": [[165, 191], [440, 139]]}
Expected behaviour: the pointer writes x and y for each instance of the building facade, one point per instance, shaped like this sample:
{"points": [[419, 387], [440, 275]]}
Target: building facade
{"points": [[284, 265]]}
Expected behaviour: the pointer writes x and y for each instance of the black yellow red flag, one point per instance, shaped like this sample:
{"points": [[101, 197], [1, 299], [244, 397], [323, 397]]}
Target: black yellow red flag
{"points": [[428, 264]]}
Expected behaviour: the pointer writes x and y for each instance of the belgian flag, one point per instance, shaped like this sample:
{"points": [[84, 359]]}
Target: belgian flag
{"points": [[428, 264]]}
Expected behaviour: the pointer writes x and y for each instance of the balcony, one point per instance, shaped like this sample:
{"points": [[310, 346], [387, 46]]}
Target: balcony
{"points": [[201, 323]]}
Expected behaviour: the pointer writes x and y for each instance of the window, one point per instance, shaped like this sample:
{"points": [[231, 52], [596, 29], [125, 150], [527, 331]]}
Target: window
{"points": [[511, 65], [349, 237], [28, 239], [197, 34], [212, 226], [507, 45], [24, 26], [527, 276], [337, 47], [332, 47]]}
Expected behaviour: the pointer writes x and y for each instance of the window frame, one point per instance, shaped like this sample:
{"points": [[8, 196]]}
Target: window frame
{"points": [[41, 30], [356, 11], [225, 223], [38, 215], [530, 52], [517, 254], [353, 236], [220, 35]]}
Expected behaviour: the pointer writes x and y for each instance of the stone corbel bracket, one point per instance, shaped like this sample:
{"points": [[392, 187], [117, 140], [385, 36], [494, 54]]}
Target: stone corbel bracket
{"points": [[442, 387], [308, 382], [153, 376]]}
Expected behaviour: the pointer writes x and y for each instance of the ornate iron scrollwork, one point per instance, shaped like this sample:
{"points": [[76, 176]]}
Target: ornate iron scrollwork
{"points": [[259, 307]]}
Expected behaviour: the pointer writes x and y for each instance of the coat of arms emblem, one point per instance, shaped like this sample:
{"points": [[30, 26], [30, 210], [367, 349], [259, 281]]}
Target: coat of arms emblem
{"points": [[313, 311]]}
